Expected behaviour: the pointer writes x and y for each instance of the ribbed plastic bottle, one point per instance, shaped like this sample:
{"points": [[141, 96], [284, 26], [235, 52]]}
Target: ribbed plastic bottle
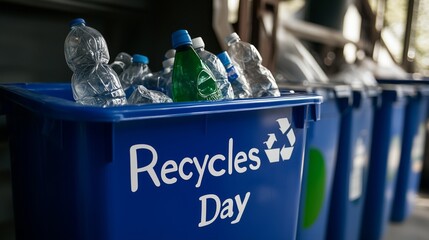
{"points": [[192, 79], [161, 80], [166, 76], [134, 74], [246, 56], [214, 64], [122, 61], [93, 82], [238, 82]]}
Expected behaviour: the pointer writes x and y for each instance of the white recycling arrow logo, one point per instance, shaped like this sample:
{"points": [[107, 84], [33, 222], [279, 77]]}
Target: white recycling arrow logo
{"points": [[285, 152]]}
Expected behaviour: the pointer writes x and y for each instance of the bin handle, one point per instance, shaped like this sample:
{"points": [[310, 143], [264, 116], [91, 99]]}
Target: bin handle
{"points": [[303, 114]]}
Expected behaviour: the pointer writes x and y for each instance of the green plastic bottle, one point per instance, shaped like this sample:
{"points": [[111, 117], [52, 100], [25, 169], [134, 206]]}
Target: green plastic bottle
{"points": [[192, 79]]}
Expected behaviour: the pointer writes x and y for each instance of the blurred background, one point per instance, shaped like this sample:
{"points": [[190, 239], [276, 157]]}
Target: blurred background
{"points": [[394, 34]]}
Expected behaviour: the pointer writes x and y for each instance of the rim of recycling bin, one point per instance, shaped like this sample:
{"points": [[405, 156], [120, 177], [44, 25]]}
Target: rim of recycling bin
{"points": [[419, 86], [405, 81], [26, 95], [400, 89], [340, 90]]}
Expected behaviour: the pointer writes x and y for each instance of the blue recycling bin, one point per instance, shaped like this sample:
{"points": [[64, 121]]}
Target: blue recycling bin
{"points": [[351, 170], [320, 158], [412, 151], [389, 114], [193, 170]]}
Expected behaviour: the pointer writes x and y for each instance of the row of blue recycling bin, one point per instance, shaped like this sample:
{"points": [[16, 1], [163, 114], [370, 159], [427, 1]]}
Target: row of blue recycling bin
{"points": [[192, 170], [272, 168], [364, 159]]}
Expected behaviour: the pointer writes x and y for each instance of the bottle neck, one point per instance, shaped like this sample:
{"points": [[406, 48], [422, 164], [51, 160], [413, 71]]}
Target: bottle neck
{"points": [[78, 25], [183, 47], [138, 64], [200, 49], [227, 66], [233, 41]]}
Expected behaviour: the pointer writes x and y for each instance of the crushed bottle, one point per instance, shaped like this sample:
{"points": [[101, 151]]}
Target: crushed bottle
{"points": [[238, 82], [245, 55], [142, 95], [93, 82]]}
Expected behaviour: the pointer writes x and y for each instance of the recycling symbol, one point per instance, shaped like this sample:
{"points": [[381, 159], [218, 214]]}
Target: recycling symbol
{"points": [[283, 151]]}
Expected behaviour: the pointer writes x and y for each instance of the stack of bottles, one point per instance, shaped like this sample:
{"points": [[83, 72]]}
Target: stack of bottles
{"points": [[189, 71]]}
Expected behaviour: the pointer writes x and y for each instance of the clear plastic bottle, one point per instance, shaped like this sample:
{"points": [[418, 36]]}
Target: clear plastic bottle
{"points": [[246, 56], [214, 64], [165, 78], [152, 81], [160, 81], [192, 79], [143, 95], [235, 76], [135, 74], [93, 82], [122, 61]]}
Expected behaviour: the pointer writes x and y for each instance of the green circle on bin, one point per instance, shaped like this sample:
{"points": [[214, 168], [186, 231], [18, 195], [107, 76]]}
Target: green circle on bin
{"points": [[315, 187]]}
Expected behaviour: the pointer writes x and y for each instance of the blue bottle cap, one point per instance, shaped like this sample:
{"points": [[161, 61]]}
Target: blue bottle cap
{"points": [[180, 37], [138, 58], [224, 58], [77, 21]]}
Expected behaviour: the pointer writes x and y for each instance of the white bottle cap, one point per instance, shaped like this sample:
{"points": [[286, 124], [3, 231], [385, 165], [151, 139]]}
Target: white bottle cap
{"points": [[198, 43], [168, 63], [233, 36], [170, 53]]}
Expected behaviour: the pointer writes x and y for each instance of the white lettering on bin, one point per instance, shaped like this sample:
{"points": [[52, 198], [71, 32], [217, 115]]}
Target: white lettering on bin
{"points": [[135, 170], [226, 210], [182, 174], [166, 169], [172, 171], [212, 170]]}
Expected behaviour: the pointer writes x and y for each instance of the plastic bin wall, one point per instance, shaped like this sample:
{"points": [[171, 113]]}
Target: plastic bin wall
{"points": [[351, 171], [319, 166], [384, 162], [411, 162], [218, 170]]}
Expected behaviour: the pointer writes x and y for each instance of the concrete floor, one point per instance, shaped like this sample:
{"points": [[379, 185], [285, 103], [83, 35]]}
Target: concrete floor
{"points": [[414, 228]]}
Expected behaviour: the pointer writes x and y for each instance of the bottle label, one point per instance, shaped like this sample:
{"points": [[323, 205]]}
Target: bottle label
{"points": [[232, 73], [206, 86]]}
